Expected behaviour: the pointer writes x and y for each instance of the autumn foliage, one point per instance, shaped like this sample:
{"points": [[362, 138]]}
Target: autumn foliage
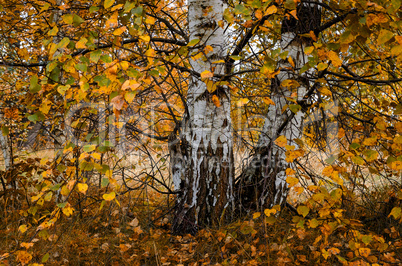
{"points": [[94, 104]]}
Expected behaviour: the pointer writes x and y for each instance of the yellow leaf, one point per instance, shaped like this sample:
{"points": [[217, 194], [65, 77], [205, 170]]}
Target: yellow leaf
{"points": [[256, 215], [292, 181], [291, 62], [124, 65], [108, 3], [23, 228], [299, 190], [322, 66], [216, 101], [396, 50], [336, 61], [81, 43], [268, 100], [396, 212], [292, 155], [258, 14], [119, 31], [112, 21], [294, 14], [290, 171], [96, 156], [312, 35], [308, 50], [271, 10], [242, 101], [110, 196], [365, 252], [23, 257], [268, 212], [27, 245], [145, 38], [206, 74], [67, 210], [68, 19], [82, 187], [53, 31], [150, 20], [281, 141], [303, 210]]}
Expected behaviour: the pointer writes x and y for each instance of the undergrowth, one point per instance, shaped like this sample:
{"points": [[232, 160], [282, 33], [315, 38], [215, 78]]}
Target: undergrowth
{"points": [[135, 231]]}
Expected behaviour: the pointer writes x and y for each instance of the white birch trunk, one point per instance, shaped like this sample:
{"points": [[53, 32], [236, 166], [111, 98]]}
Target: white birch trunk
{"points": [[5, 148], [269, 162], [202, 164]]}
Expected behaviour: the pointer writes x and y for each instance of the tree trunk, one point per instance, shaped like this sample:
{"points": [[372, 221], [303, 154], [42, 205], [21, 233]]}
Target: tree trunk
{"points": [[263, 183], [202, 157], [5, 148]]}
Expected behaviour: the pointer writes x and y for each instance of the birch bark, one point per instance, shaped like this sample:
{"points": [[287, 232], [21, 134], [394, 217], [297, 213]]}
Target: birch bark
{"points": [[264, 180], [5, 148], [202, 159]]}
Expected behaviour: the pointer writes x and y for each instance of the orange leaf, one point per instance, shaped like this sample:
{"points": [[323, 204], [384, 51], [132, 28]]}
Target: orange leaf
{"points": [[216, 101], [336, 61], [281, 141], [206, 74]]}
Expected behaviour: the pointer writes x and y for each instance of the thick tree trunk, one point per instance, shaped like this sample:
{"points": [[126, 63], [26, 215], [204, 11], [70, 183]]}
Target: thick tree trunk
{"points": [[202, 159], [263, 183]]}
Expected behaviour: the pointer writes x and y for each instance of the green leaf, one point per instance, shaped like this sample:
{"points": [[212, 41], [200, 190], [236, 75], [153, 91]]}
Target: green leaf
{"points": [[295, 108], [34, 86], [354, 146], [366, 239], [62, 89], [371, 155], [384, 36], [5, 131], [77, 20], [358, 160], [38, 116], [55, 187], [53, 31], [106, 58], [331, 159], [303, 210], [95, 56], [314, 223], [193, 42], [235, 57], [86, 166], [104, 182], [129, 96], [81, 67], [89, 148], [93, 9], [63, 43], [45, 257], [68, 19], [62, 205], [108, 3], [396, 212], [48, 196], [128, 6], [137, 11], [240, 9]]}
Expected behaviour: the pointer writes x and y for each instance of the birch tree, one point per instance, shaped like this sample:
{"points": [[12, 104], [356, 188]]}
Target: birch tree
{"points": [[264, 180], [203, 160]]}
